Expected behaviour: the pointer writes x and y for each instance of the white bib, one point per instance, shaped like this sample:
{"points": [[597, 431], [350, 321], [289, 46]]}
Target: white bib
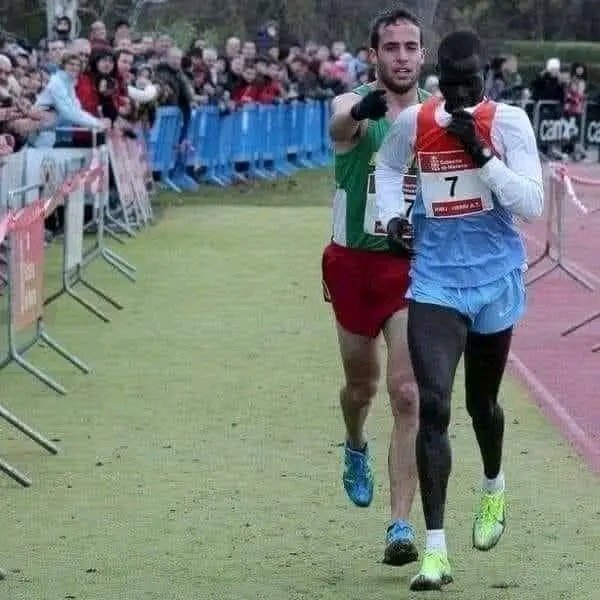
{"points": [[372, 225], [451, 186]]}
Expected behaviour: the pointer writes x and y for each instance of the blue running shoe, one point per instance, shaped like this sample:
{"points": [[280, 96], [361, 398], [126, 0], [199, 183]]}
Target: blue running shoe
{"points": [[400, 546], [358, 477]]}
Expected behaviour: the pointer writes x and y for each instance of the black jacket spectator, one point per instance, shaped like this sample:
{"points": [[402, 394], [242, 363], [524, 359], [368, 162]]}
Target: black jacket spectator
{"points": [[175, 90]]}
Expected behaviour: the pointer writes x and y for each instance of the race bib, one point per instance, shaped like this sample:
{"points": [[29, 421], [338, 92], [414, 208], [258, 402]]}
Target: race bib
{"points": [[372, 225], [450, 185]]}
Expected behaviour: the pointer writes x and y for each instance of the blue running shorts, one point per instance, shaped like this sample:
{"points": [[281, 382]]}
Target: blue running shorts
{"points": [[490, 308]]}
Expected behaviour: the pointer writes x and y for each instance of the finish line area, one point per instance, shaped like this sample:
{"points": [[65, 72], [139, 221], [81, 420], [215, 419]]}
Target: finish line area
{"points": [[202, 457]]}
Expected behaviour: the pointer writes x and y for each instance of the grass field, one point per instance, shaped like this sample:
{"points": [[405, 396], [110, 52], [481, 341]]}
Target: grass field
{"points": [[202, 458]]}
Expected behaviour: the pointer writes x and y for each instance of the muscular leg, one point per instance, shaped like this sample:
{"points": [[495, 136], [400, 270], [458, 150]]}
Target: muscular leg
{"points": [[403, 394], [361, 367], [436, 338], [485, 361], [400, 546]]}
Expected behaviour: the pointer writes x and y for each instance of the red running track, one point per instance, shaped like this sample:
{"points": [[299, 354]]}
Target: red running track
{"points": [[563, 373]]}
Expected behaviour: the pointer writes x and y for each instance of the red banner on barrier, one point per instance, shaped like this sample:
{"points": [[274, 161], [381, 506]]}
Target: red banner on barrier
{"points": [[58, 197], [4, 224], [27, 265]]}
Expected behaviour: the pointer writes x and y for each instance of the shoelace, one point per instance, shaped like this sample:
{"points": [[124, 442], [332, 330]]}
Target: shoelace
{"points": [[434, 559], [358, 458], [489, 512], [404, 530]]}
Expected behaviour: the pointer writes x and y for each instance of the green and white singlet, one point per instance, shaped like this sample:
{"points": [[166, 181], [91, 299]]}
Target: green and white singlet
{"points": [[354, 211]]}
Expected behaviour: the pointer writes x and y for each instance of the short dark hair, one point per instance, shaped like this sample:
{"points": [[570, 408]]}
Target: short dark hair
{"points": [[68, 57], [195, 53], [460, 54], [389, 17]]}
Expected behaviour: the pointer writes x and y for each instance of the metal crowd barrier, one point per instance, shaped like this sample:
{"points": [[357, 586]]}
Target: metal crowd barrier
{"points": [[552, 126], [560, 192], [33, 184], [268, 140]]}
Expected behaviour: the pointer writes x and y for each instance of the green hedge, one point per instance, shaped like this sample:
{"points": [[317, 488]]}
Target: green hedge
{"points": [[529, 71], [540, 52]]}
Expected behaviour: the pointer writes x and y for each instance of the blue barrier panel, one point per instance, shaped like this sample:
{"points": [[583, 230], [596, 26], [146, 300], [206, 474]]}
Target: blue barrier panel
{"points": [[247, 140], [282, 165], [183, 149], [191, 157], [312, 134], [225, 168], [294, 128], [269, 150], [164, 140], [326, 144], [269, 140], [244, 128], [206, 143]]}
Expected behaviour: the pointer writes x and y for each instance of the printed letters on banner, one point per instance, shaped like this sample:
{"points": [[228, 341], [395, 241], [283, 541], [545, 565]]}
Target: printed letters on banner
{"points": [[27, 265], [451, 186]]}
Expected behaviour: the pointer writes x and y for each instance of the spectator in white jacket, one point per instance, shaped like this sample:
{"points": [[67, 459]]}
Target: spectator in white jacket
{"points": [[59, 96]]}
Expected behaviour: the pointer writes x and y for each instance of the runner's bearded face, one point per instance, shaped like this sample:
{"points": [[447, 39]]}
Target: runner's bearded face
{"points": [[399, 56]]}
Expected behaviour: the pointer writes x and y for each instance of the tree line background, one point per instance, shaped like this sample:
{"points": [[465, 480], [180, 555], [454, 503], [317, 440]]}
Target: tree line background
{"points": [[329, 19], [528, 28]]}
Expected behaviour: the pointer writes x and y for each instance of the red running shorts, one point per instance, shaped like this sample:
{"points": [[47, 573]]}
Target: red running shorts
{"points": [[364, 287]]}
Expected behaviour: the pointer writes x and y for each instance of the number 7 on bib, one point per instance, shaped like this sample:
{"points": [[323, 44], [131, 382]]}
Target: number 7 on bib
{"points": [[451, 186]]}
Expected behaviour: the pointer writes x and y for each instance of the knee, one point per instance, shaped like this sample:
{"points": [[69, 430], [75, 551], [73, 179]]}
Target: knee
{"points": [[404, 396], [360, 391], [482, 409], [434, 409]]}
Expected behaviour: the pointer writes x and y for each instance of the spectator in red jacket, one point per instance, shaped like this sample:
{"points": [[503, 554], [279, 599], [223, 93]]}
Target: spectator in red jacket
{"points": [[248, 90], [270, 88], [97, 88]]}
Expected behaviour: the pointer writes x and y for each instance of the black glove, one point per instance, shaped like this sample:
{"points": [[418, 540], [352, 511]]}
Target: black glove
{"points": [[400, 237], [373, 106], [463, 127]]}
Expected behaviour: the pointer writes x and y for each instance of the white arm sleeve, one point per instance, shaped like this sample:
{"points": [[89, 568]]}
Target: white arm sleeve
{"points": [[517, 181], [148, 94], [392, 162]]}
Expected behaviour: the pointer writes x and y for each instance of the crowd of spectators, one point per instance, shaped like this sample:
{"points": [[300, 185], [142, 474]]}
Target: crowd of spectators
{"points": [[117, 79]]}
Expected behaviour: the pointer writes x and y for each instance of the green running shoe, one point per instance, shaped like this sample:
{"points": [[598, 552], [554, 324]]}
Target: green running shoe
{"points": [[488, 522], [435, 572]]}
